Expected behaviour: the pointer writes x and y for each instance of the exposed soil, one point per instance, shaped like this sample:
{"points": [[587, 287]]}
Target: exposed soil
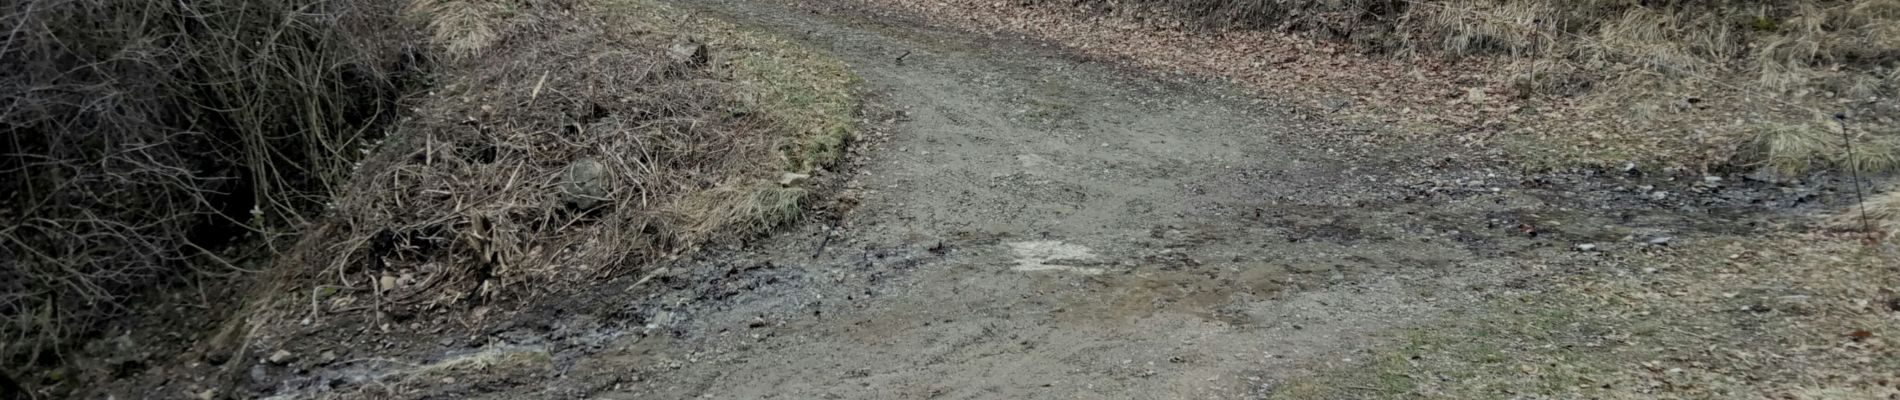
{"points": [[1022, 222]]}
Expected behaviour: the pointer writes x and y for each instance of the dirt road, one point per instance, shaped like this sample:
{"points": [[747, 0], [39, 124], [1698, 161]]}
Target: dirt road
{"points": [[1028, 224], [1039, 226]]}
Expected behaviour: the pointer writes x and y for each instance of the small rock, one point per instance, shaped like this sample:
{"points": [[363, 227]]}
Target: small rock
{"points": [[1763, 174], [756, 322], [386, 283], [328, 357], [1587, 247], [585, 183], [1660, 240], [793, 179], [1659, 195], [1475, 95], [281, 357], [688, 52], [1338, 103]]}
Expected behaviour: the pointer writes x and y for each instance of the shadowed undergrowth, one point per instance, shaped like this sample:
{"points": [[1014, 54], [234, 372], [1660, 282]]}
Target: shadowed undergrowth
{"points": [[146, 140]]}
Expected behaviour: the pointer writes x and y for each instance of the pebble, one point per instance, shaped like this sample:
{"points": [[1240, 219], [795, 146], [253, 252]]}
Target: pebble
{"points": [[281, 357], [793, 179], [1587, 247], [1661, 240]]}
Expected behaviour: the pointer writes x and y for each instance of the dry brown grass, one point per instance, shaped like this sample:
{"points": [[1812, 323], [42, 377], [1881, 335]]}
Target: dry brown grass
{"points": [[462, 27], [1792, 149], [478, 196], [1879, 213]]}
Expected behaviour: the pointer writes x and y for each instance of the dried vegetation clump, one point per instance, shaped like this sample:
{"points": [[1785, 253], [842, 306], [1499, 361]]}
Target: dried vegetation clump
{"points": [[144, 138], [1878, 216], [567, 140]]}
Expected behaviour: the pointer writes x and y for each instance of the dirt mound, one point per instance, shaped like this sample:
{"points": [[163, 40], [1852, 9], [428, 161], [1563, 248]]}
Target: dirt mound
{"points": [[559, 141], [565, 141]]}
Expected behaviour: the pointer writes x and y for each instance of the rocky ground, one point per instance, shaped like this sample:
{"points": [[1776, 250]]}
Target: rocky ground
{"points": [[1021, 221]]}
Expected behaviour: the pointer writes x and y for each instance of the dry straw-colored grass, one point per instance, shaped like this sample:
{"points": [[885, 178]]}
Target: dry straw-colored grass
{"points": [[1792, 149], [462, 27], [1880, 213]]}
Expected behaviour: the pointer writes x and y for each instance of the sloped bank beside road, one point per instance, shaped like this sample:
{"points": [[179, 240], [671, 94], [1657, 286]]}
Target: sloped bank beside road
{"points": [[561, 144]]}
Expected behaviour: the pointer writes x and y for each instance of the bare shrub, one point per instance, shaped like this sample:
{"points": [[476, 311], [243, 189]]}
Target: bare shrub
{"points": [[143, 135]]}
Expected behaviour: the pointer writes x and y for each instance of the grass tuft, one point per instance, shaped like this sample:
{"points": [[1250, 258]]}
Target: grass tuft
{"points": [[462, 27], [1794, 149], [1882, 215]]}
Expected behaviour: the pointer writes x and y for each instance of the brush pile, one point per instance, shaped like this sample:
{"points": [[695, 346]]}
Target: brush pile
{"points": [[557, 147]]}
